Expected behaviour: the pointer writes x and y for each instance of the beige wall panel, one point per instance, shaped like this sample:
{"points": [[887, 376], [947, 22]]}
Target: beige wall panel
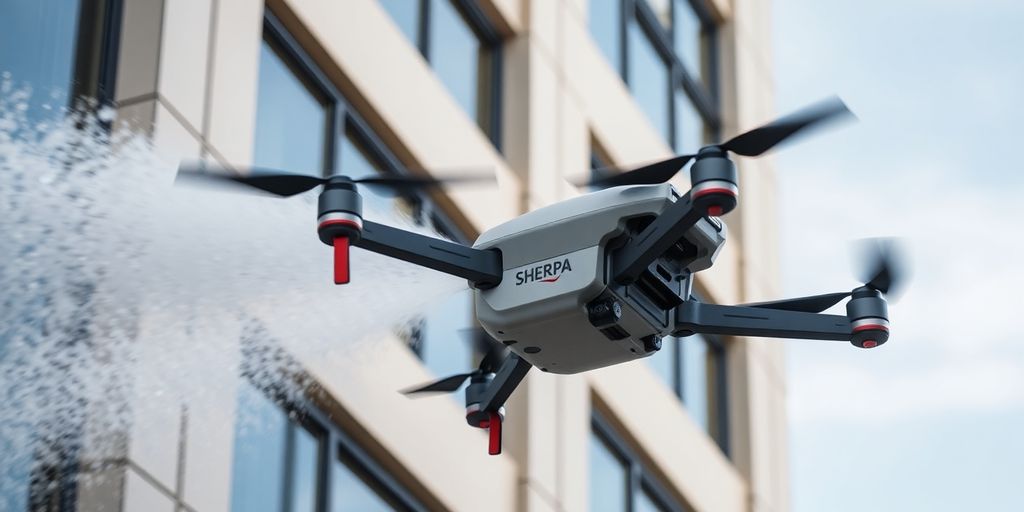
{"points": [[139, 50], [544, 25], [100, 489], [140, 495], [171, 139], [667, 435], [137, 117], [236, 51], [210, 421], [154, 437], [573, 442], [545, 133], [721, 283], [343, 29], [418, 434], [577, 8], [535, 500], [183, 52], [573, 147], [753, 19]]}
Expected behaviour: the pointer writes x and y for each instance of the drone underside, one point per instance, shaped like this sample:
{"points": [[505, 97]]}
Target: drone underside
{"points": [[599, 279]]}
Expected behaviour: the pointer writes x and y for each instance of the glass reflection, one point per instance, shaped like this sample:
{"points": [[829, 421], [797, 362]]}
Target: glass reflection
{"points": [[648, 77], [350, 493], [447, 346], [695, 378], [37, 47], [609, 479], [290, 119], [690, 130], [257, 479], [689, 38], [356, 162], [663, 363], [459, 59], [605, 20], [305, 465]]}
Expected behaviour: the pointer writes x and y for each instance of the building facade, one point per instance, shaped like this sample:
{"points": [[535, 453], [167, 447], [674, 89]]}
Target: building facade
{"points": [[536, 91]]}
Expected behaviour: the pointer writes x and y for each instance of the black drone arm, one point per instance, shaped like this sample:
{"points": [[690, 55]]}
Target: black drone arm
{"points": [[511, 373], [481, 267], [697, 317], [633, 259]]}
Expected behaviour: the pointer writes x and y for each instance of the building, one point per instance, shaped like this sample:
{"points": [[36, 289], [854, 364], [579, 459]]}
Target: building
{"points": [[537, 90]]}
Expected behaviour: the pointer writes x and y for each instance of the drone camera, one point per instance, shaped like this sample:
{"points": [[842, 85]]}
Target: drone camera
{"points": [[340, 222]]}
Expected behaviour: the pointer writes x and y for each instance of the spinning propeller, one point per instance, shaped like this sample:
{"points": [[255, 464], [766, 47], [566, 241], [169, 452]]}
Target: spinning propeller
{"points": [[285, 184], [883, 264], [493, 356], [340, 207], [752, 143]]}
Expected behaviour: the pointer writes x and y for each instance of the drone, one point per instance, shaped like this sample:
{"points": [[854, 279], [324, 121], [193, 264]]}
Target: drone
{"points": [[598, 279]]}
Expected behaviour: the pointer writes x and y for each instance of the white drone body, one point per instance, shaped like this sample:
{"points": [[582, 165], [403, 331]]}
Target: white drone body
{"points": [[554, 304]]}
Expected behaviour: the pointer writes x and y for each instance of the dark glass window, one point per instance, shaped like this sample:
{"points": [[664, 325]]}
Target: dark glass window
{"points": [[619, 481], [291, 117], [61, 49], [37, 46], [694, 368], [648, 78], [258, 477], [690, 130], [462, 47], [690, 33], [668, 60], [279, 463], [609, 478]]}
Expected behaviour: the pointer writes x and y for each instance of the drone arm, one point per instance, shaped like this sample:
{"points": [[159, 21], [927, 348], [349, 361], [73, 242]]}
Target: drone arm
{"points": [[481, 267], [511, 373], [632, 260], [697, 317]]}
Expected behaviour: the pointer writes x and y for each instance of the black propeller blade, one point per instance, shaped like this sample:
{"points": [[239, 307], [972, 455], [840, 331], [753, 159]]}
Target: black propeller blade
{"points": [[493, 352], [285, 184], [752, 143], [812, 304], [883, 259], [445, 385], [759, 140]]}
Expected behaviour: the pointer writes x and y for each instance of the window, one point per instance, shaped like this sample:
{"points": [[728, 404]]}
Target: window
{"points": [[62, 49], [462, 47], [303, 124], [618, 480], [694, 368], [292, 459], [648, 78], [667, 58]]}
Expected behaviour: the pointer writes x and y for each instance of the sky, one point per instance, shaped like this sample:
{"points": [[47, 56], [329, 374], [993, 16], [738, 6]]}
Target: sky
{"points": [[933, 419]]}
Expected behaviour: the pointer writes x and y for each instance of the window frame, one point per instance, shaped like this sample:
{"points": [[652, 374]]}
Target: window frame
{"points": [[719, 400], [705, 98], [335, 443], [640, 478], [341, 116], [488, 36]]}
